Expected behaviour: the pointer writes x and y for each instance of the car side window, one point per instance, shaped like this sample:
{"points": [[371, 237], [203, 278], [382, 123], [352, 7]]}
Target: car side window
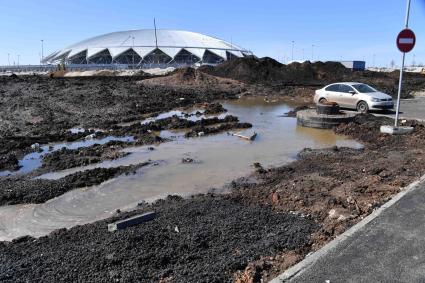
{"points": [[333, 88], [344, 88]]}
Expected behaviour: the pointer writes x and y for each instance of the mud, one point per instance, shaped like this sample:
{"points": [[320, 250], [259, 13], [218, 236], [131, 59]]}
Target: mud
{"points": [[337, 186], [19, 190], [194, 80], [214, 108], [250, 234], [37, 109], [206, 231], [205, 130], [69, 158]]}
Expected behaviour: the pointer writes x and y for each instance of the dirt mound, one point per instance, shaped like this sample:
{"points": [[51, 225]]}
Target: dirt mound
{"points": [[18, 190], [9, 162], [213, 108], [203, 239], [190, 78], [69, 158], [270, 72]]}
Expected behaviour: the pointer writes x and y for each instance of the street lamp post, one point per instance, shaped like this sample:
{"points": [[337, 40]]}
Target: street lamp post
{"points": [[312, 52], [42, 51], [18, 59], [292, 56], [8, 58], [133, 51]]}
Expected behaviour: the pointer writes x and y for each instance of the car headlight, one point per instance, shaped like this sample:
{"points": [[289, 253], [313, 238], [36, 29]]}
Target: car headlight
{"points": [[376, 99]]}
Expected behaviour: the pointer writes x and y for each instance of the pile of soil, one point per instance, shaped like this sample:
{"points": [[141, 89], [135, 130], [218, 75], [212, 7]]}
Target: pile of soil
{"points": [[69, 158], [214, 108], [174, 123], [293, 112], [9, 161], [189, 78], [203, 239], [270, 72], [18, 190], [204, 130]]}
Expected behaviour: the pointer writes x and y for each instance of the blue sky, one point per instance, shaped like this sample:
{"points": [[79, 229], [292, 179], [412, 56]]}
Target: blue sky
{"points": [[337, 29]]}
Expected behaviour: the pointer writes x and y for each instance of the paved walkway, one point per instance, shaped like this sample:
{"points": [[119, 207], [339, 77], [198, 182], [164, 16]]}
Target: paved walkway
{"points": [[390, 248]]}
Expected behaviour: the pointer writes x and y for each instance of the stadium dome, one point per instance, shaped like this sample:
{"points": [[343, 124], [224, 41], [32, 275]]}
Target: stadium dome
{"points": [[148, 48]]}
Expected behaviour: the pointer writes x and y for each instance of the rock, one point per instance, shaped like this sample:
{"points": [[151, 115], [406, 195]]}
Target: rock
{"points": [[187, 160], [275, 198], [132, 221], [90, 137], [340, 214], [35, 146]]}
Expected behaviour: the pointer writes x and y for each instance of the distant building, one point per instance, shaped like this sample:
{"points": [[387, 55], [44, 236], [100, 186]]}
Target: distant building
{"points": [[354, 65], [148, 48]]}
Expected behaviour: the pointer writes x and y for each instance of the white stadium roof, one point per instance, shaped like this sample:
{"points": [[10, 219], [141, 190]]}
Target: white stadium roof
{"points": [[144, 43]]}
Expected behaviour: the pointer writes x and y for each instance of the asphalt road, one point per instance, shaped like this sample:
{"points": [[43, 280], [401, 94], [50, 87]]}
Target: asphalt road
{"points": [[413, 108], [390, 248], [409, 109]]}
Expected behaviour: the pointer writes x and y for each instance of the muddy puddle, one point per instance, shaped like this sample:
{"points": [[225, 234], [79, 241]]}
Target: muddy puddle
{"points": [[218, 160], [192, 115], [33, 160]]}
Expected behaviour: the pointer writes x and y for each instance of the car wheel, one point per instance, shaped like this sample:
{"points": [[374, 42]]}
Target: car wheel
{"points": [[362, 107], [322, 100]]}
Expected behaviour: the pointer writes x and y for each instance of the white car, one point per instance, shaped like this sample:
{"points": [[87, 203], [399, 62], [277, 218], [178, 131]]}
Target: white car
{"points": [[354, 95]]}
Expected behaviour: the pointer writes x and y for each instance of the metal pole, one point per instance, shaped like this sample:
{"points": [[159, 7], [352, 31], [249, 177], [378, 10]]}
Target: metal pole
{"points": [[18, 59], [312, 52], [156, 39], [42, 51], [399, 91], [292, 51], [397, 113], [8, 58], [133, 52]]}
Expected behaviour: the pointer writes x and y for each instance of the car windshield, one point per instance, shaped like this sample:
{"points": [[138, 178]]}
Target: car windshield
{"points": [[362, 88]]}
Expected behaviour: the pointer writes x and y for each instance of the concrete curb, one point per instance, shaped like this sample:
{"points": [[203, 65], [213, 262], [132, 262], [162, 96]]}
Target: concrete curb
{"points": [[305, 264]]}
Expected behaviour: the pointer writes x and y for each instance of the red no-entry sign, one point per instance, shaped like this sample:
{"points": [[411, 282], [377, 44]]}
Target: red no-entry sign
{"points": [[406, 40]]}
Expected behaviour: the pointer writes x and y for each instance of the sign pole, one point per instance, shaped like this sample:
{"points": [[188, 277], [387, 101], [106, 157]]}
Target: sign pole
{"points": [[401, 69]]}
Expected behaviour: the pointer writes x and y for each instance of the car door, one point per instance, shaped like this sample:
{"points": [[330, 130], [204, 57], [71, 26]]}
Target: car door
{"points": [[332, 93], [347, 98]]}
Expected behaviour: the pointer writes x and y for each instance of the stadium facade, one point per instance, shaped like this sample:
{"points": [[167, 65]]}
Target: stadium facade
{"points": [[148, 48]]}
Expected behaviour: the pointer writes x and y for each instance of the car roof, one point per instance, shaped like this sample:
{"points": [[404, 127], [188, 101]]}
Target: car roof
{"points": [[347, 83]]}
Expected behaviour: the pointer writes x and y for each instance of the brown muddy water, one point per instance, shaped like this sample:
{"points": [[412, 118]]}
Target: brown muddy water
{"points": [[219, 159]]}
